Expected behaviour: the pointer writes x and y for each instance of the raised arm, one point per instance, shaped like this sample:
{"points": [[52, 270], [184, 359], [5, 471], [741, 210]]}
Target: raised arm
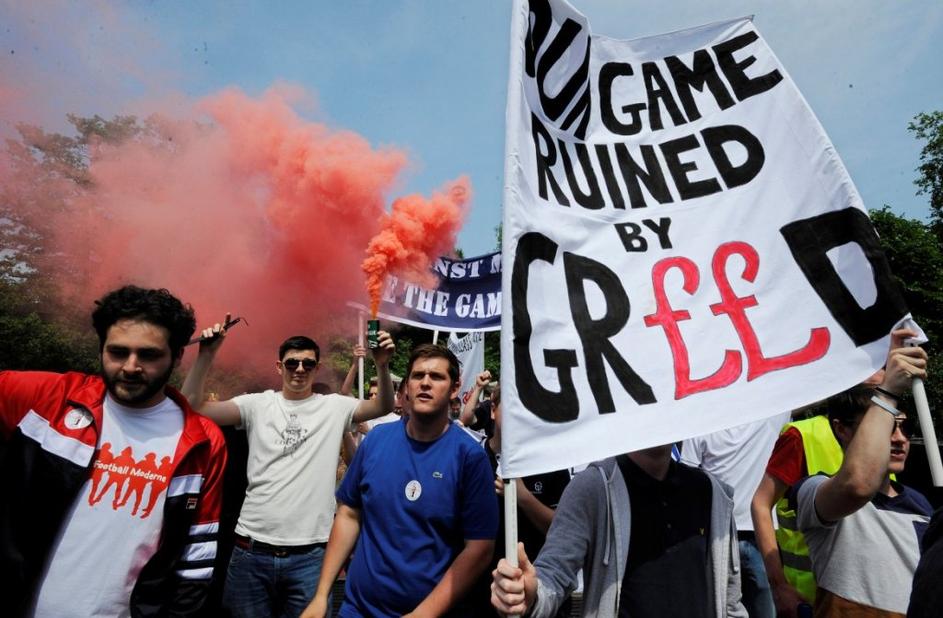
{"points": [[347, 388], [864, 469], [383, 403], [220, 412], [467, 417], [341, 543]]}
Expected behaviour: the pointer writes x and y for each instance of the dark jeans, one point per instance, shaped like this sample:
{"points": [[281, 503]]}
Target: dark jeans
{"points": [[757, 596], [261, 585]]}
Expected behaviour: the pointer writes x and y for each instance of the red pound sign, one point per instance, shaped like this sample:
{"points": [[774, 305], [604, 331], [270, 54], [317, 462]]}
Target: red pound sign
{"points": [[668, 319]]}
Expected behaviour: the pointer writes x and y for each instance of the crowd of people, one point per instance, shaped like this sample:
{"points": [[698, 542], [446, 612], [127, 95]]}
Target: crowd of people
{"points": [[115, 481]]}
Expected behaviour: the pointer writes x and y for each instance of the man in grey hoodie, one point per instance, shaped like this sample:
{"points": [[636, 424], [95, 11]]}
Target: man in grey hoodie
{"points": [[653, 537]]}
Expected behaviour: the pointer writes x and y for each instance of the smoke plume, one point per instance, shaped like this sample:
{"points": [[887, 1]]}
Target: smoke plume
{"points": [[413, 235], [233, 202]]}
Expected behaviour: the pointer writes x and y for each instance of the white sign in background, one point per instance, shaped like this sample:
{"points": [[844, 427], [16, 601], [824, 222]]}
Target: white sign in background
{"points": [[683, 249], [470, 351]]}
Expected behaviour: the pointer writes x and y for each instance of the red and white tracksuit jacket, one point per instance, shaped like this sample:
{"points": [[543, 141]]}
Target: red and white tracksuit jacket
{"points": [[44, 463]]}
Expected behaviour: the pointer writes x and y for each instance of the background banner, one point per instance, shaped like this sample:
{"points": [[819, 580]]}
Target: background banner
{"points": [[684, 249], [470, 351], [460, 295]]}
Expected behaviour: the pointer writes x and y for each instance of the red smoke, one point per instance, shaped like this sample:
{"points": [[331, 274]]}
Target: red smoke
{"points": [[413, 235], [240, 205], [233, 202]]}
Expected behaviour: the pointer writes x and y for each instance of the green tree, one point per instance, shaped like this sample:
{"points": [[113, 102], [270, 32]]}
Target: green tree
{"points": [[47, 174], [915, 255], [30, 341], [928, 127], [44, 174]]}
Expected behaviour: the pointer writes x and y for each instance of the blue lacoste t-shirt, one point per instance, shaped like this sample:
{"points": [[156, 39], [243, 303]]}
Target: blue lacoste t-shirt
{"points": [[418, 503]]}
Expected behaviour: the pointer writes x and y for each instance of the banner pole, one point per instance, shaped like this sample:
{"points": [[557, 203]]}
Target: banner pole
{"points": [[435, 336], [510, 523], [929, 433], [360, 360]]}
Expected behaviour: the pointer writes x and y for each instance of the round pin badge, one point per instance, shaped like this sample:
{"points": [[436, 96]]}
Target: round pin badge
{"points": [[76, 418], [413, 490]]}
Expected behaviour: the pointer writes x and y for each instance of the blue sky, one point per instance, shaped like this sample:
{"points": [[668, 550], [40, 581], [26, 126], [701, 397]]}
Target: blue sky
{"points": [[429, 76]]}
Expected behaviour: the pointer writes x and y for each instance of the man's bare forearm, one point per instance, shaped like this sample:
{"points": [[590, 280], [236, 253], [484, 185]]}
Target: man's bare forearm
{"points": [[347, 388], [458, 579], [467, 417], [383, 403], [767, 495], [536, 511], [194, 386], [341, 543], [769, 549]]}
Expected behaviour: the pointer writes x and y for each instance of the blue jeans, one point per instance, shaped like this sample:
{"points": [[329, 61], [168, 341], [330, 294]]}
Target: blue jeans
{"points": [[260, 585], [757, 596]]}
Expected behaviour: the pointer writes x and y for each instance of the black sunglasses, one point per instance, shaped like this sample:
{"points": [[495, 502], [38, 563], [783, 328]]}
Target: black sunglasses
{"points": [[906, 426], [291, 364]]}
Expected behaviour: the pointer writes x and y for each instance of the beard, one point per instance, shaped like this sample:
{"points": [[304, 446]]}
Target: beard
{"points": [[130, 392]]}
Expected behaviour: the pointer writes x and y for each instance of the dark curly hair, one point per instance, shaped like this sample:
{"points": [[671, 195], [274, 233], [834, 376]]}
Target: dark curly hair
{"points": [[158, 307]]}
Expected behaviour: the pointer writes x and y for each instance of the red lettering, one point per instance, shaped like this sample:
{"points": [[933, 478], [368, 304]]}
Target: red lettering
{"points": [[668, 318], [735, 307]]}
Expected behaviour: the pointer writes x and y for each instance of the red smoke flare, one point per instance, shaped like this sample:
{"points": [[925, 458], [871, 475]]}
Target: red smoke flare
{"points": [[258, 212], [233, 202], [413, 235]]}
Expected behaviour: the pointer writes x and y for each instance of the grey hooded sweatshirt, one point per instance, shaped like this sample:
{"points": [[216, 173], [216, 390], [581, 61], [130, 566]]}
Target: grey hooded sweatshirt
{"points": [[591, 531]]}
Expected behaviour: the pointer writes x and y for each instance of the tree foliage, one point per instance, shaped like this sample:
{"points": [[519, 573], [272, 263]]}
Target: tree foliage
{"points": [[45, 173], [916, 258], [30, 340], [929, 128]]}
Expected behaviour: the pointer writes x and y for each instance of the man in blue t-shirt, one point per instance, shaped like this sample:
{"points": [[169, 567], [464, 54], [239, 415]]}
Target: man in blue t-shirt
{"points": [[418, 503]]}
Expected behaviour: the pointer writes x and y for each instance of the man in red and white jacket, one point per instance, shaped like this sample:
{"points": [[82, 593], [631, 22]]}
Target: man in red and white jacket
{"points": [[111, 484]]}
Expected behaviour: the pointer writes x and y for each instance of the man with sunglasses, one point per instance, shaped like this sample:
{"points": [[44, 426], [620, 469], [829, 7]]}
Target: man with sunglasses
{"points": [[294, 436], [862, 528]]}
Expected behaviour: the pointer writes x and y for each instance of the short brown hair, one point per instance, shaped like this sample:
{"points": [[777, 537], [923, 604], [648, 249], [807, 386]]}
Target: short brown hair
{"points": [[432, 350], [847, 407]]}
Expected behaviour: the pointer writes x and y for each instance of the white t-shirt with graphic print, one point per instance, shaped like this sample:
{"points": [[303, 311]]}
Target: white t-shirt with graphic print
{"points": [[114, 526], [293, 449]]}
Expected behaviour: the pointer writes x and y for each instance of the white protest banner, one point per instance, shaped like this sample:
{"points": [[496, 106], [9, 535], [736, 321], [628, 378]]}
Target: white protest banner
{"points": [[470, 351], [684, 250]]}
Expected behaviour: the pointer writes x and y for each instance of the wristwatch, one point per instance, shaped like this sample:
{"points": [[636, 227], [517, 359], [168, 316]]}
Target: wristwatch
{"points": [[878, 401]]}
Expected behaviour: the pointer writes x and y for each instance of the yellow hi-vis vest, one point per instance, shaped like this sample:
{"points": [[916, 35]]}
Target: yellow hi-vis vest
{"points": [[822, 454]]}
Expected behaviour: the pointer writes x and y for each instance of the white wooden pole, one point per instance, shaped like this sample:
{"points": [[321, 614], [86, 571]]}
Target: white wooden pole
{"points": [[435, 336], [929, 433], [510, 523], [360, 342]]}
